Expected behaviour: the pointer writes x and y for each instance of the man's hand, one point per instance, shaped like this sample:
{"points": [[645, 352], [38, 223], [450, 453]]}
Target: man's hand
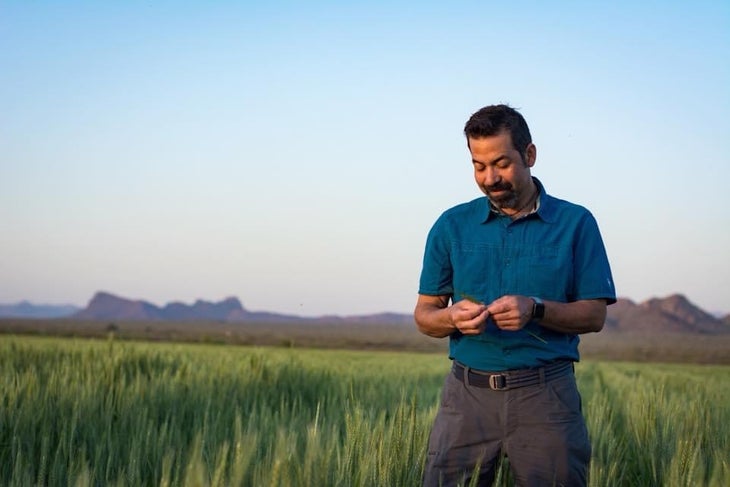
{"points": [[511, 312], [435, 318], [469, 317]]}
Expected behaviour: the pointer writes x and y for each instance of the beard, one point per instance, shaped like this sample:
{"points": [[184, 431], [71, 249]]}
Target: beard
{"points": [[505, 198]]}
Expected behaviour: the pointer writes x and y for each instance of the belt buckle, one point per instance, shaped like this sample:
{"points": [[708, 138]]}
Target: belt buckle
{"points": [[498, 382]]}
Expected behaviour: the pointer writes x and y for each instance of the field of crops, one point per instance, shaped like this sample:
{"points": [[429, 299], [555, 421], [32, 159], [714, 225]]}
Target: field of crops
{"points": [[76, 412]]}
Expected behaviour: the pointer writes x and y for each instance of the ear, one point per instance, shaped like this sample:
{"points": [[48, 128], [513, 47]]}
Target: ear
{"points": [[530, 155]]}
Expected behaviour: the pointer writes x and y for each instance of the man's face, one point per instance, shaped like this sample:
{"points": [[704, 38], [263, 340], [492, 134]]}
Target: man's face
{"points": [[500, 171]]}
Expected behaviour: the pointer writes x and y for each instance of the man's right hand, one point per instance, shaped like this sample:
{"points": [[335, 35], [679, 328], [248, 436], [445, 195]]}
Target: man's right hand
{"points": [[468, 317], [436, 318]]}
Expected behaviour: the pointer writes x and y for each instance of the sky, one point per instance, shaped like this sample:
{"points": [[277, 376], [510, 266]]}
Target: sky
{"points": [[295, 154]]}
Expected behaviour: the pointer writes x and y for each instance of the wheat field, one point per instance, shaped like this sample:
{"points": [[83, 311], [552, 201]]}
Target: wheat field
{"points": [[83, 412]]}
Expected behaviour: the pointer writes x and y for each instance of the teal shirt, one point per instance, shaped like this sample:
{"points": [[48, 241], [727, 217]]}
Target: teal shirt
{"points": [[555, 253]]}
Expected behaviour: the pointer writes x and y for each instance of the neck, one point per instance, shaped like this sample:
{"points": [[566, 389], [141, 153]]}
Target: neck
{"points": [[526, 206]]}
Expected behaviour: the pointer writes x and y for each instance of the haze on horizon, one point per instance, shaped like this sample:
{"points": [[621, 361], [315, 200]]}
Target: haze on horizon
{"points": [[295, 156]]}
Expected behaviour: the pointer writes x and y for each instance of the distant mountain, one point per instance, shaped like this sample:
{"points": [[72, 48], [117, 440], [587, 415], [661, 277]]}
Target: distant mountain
{"points": [[105, 306], [674, 313], [25, 309], [222, 311]]}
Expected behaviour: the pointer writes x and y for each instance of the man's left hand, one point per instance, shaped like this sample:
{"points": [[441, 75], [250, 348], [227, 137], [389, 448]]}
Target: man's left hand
{"points": [[511, 312]]}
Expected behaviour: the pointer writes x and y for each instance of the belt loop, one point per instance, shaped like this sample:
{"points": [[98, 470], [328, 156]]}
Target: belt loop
{"points": [[466, 376]]}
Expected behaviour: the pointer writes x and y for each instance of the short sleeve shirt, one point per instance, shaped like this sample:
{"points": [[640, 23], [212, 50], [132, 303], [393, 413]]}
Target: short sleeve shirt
{"points": [[556, 253]]}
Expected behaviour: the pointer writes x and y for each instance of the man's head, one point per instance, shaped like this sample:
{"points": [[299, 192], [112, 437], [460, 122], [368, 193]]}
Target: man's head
{"points": [[494, 119], [502, 153]]}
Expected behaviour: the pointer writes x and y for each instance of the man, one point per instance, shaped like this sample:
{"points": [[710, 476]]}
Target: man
{"points": [[511, 279]]}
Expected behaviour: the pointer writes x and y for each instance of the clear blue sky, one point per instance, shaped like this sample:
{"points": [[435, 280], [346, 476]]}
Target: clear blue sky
{"points": [[295, 154]]}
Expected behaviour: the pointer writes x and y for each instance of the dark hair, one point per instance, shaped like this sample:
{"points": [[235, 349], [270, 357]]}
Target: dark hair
{"points": [[493, 119]]}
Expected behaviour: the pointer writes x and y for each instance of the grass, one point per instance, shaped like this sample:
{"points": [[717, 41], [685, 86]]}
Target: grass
{"points": [[658, 424], [79, 412], [338, 335]]}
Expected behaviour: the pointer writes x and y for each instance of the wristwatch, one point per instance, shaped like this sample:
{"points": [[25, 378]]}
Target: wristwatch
{"points": [[538, 308]]}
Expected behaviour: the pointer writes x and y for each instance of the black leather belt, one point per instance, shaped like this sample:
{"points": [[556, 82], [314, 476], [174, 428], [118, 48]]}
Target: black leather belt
{"points": [[511, 379]]}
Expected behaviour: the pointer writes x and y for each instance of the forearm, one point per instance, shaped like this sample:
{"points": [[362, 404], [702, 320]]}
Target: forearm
{"points": [[433, 320], [575, 318]]}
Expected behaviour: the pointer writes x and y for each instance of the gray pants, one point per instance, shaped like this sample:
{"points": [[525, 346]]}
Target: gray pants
{"points": [[540, 428]]}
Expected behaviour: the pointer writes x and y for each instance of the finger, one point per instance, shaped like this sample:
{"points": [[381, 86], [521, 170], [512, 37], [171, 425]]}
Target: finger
{"points": [[499, 308], [504, 318], [507, 323], [474, 313], [473, 326], [476, 330]]}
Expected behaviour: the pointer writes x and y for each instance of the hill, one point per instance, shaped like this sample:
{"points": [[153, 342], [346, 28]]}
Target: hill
{"points": [[675, 314], [25, 309], [105, 306]]}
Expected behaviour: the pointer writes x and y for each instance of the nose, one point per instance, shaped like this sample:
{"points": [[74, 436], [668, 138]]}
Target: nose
{"points": [[490, 176]]}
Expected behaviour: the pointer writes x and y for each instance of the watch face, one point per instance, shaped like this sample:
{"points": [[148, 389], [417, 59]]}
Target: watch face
{"points": [[538, 309]]}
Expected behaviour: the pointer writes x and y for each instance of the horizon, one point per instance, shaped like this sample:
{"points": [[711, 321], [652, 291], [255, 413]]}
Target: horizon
{"points": [[298, 155], [715, 313]]}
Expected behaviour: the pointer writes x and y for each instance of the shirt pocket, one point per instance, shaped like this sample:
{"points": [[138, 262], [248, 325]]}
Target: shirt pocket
{"points": [[547, 271], [477, 269]]}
